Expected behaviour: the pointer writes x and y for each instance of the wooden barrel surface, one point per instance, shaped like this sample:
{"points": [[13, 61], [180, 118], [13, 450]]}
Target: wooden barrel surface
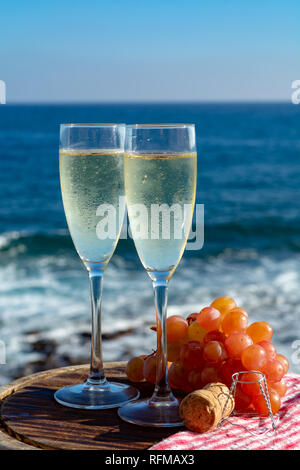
{"points": [[31, 419]]}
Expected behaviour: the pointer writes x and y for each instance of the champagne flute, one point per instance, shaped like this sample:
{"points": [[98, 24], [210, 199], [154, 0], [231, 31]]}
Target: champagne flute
{"points": [[91, 163], [160, 164]]}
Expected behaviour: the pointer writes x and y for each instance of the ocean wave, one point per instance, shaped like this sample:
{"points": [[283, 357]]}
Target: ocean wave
{"points": [[239, 236], [48, 299], [33, 243]]}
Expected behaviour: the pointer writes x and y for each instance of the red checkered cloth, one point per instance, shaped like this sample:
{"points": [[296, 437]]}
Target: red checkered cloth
{"points": [[232, 435]]}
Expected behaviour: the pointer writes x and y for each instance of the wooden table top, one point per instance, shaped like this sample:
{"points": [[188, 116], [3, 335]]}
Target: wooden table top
{"points": [[32, 419]]}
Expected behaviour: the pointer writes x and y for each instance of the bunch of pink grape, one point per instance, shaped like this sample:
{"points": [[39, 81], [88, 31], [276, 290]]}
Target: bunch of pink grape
{"points": [[212, 345]]}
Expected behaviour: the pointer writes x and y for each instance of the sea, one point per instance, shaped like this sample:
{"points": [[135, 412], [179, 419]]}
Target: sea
{"points": [[249, 183]]}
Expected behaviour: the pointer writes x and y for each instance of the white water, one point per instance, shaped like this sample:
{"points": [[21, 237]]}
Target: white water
{"points": [[48, 297]]}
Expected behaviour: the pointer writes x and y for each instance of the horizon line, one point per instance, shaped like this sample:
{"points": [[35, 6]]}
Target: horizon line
{"points": [[146, 102]]}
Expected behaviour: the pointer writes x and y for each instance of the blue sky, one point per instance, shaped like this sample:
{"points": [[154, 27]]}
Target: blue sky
{"points": [[192, 50]]}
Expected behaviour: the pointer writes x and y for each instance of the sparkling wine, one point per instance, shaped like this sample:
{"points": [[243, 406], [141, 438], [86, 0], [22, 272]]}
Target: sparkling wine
{"points": [[92, 184], [160, 193]]}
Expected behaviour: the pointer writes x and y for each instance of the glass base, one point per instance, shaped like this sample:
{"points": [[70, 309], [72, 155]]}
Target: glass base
{"points": [[145, 413], [96, 397]]}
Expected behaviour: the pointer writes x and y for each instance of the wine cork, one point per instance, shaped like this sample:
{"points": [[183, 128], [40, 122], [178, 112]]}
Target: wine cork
{"points": [[200, 411], [223, 395], [203, 409]]}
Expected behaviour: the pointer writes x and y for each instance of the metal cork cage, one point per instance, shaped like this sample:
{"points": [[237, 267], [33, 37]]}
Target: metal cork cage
{"points": [[236, 379]]}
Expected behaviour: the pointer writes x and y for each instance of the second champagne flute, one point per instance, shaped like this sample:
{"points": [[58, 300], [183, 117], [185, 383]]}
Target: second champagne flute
{"points": [[160, 186], [91, 163]]}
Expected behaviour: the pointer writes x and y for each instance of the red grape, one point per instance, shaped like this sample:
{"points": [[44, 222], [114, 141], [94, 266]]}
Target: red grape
{"points": [[149, 370], [210, 374], [230, 367], [260, 331], [283, 360], [242, 400], [191, 354], [173, 350], [177, 328], [214, 352], [191, 318], [209, 318], [235, 320], [250, 384], [274, 371], [236, 343], [269, 348], [260, 404], [223, 304], [214, 335], [135, 369], [195, 332], [254, 357], [177, 375], [194, 379], [280, 387]]}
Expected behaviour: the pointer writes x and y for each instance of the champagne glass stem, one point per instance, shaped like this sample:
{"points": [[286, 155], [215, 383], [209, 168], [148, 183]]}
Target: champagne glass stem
{"points": [[96, 392], [162, 392], [96, 376]]}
